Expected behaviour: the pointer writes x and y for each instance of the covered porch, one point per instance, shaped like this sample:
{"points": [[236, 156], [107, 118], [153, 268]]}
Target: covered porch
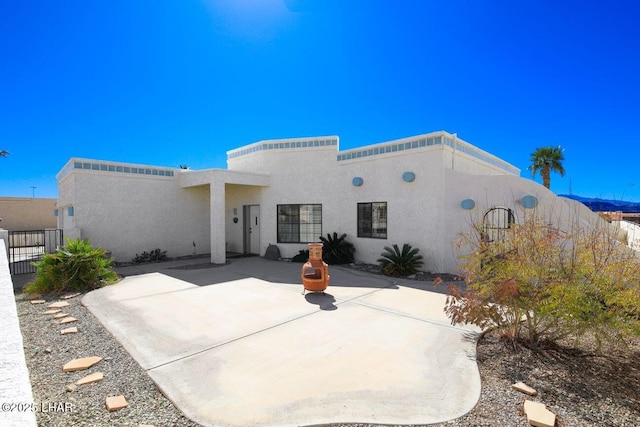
{"points": [[234, 200]]}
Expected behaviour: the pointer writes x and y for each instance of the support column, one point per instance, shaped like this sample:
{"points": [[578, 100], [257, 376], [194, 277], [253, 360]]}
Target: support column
{"points": [[217, 221]]}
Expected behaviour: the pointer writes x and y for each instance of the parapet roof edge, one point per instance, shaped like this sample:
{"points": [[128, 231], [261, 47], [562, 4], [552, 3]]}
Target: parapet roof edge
{"points": [[452, 140], [66, 169], [286, 140]]}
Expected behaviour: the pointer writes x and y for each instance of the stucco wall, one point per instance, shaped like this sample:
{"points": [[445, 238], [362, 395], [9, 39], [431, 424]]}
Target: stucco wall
{"points": [[14, 376], [21, 213], [131, 214], [236, 197], [314, 176], [489, 191], [425, 213]]}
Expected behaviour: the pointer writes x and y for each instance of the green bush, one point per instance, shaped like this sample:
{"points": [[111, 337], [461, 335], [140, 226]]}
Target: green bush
{"points": [[396, 262], [155, 255], [539, 284], [336, 250], [303, 256], [75, 267]]}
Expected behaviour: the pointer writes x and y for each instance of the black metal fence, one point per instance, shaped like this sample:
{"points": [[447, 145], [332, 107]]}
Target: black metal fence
{"points": [[26, 247]]}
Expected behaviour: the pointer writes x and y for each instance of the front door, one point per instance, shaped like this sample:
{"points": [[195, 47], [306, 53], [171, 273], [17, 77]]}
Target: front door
{"points": [[252, 229]]}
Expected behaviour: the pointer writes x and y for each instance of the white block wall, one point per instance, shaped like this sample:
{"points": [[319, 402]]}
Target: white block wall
{"points": [[15, 387]]}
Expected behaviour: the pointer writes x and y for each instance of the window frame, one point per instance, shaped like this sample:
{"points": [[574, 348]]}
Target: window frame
{"points": [[370, 234], [297, 224]]}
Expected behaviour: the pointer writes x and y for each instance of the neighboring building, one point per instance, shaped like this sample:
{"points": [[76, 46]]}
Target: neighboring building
{"points": [[22, 213], [421, 190]]}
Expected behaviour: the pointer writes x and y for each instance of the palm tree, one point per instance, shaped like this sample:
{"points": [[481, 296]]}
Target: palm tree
{"points": [[4, 153], [545, 160]]}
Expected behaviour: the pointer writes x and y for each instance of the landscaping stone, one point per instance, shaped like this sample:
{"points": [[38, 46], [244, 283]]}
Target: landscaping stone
{"points": [[68, 320], [70, 296], [522, 387], [60, 315], [59, 304], [538, 415], [71, 330], [52, 311], [38, 301], [116, 402], [71, 388], [81, 364], [93, 378]]}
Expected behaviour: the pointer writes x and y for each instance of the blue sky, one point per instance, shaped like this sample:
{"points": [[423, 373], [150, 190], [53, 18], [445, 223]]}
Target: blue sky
{"points": [[181, 82]]}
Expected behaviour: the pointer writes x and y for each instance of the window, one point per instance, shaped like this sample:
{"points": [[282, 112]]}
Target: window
{"points": [[299, 223], [372, 220]]}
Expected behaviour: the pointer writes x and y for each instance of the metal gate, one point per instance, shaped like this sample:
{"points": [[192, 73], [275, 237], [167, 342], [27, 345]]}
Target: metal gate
{"points": [[496, 222], [26, 247]]}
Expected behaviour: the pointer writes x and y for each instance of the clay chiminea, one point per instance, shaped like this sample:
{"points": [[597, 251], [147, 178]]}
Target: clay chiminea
{"points": [[315, 272]]}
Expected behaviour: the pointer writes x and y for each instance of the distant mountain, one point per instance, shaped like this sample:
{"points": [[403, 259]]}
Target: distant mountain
{"points": [[605, 205]]}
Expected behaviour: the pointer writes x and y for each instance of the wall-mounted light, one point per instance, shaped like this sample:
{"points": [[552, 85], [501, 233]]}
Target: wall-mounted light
{"points": [[408, 177], [357, 181], [467, 204]]}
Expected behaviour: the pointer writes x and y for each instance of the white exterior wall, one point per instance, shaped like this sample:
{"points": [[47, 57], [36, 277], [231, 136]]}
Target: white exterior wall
{"points": [[315, 176], [236, 197], [15, 387], [305, 176], [489, 191], [128, 214]]}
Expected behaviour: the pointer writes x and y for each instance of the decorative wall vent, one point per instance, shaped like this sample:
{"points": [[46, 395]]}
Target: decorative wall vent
{"points": [[529, 202], [408, 177], [467, 204]]}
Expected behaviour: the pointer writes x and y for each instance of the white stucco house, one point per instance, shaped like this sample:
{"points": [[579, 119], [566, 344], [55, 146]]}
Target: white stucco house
{"points": [[421, 190]]}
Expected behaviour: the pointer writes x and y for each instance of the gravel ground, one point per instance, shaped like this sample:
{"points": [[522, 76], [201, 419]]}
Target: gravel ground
{"points": [[582, 388]]}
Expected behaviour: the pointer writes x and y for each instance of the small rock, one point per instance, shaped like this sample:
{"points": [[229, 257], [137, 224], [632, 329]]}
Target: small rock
{"points": [[81, 364], [47, 350], [108, 358], [36, 350], [71, 388], [95, 377], [520, 386], [538, 415], [71, 330], [116, 402], [59, 304]]}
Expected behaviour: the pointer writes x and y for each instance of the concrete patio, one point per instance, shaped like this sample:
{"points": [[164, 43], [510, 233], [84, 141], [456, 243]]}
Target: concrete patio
{"points": [[240, 345]]}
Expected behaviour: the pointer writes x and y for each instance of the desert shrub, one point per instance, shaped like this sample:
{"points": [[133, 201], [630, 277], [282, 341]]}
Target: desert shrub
{"points": [[396, 262], [155, 255], [303, 256], [77, 266], [336, 249], [540, 284]]}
